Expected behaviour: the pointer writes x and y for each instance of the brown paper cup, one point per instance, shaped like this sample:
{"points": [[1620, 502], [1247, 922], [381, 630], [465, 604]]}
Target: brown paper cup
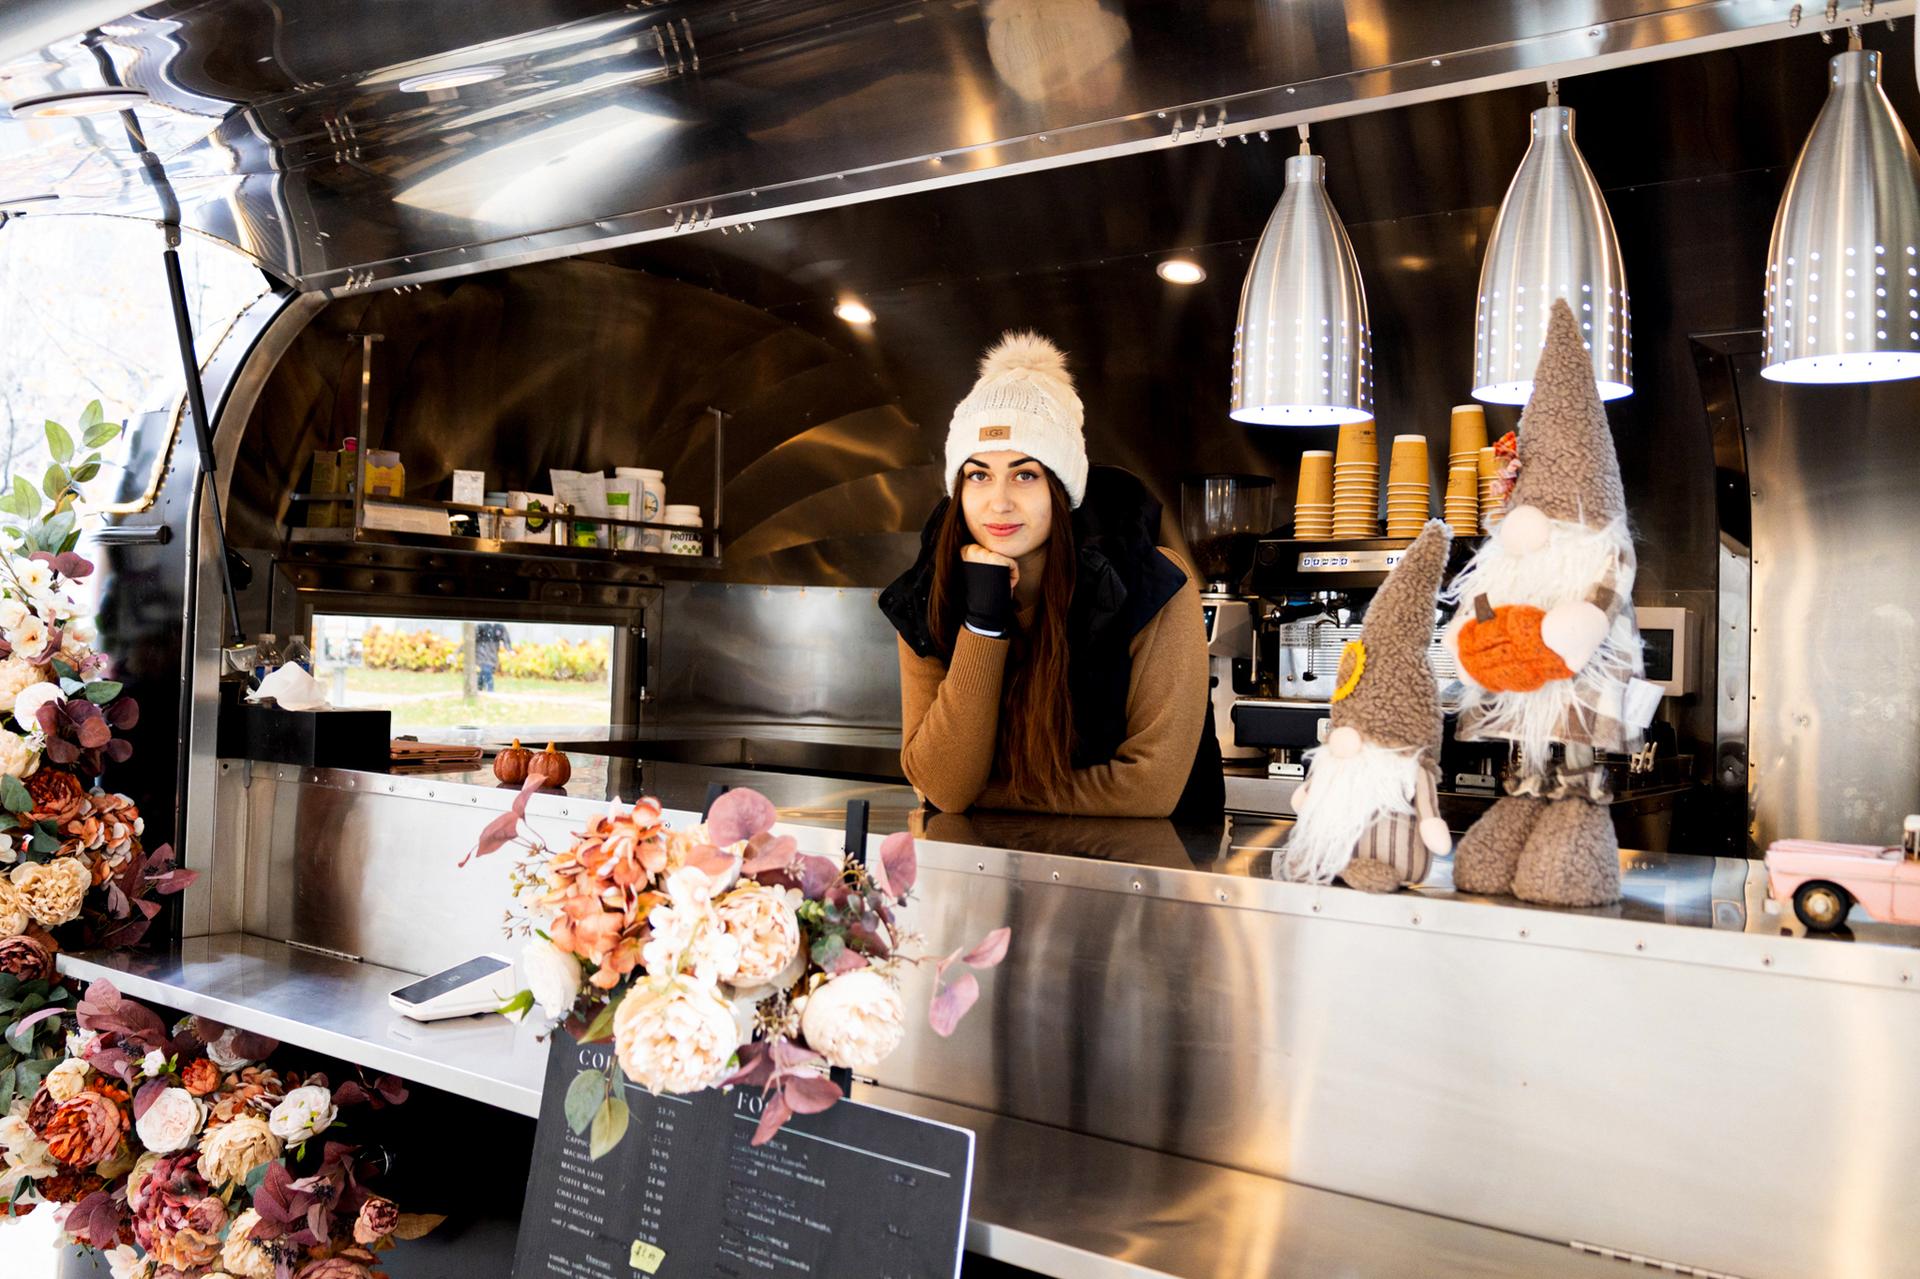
{"points": [[1469, 429]]}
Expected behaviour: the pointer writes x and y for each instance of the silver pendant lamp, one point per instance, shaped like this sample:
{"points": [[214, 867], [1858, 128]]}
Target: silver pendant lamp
{"points": [[1553, 238], [1302, 351], [1843, 267]]}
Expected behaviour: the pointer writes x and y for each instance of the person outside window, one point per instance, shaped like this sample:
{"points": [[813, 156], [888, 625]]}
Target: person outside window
{"points": [[488, 639]]}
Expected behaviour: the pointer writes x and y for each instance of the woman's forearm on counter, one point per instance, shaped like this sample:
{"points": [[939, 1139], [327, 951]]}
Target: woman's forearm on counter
{"points": [[950, 719]]}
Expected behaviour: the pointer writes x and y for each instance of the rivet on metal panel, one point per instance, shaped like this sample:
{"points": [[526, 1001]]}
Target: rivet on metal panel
{"points": [[1221, 896], [389, 788], [1416, 921], [1906, 976], [1523, 934], [1433, 62], [1639, 945], [1056, 876], [1316, 908], [979, 865], [1290, 90], [1766, 961], [1136, 885]]}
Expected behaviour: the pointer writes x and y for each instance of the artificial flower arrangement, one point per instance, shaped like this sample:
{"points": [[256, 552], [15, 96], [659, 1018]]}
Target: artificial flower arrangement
{"points": [[71, 850], [720, 955], [193, 1151]]}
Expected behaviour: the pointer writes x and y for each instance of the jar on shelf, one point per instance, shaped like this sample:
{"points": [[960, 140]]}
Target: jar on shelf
{"points": [[685, 537]]}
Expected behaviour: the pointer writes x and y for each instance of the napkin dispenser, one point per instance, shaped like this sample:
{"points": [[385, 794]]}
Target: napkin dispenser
{"points": [[354, 738]]}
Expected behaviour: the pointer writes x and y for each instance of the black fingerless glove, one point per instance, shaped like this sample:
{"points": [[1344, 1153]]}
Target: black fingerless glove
{"points": [[989, 596]]}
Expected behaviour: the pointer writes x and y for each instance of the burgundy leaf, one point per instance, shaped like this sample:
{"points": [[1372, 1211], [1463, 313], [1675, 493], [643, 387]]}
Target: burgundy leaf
{"points": [[94, 1221], [148, 1093], [274, 1199], [245, 1043], [535, 780], [160, 858], [991, 949], [755, 1067], [847, 961], [94, 733], [60, 750], [317, 1222], [123, 713], [951, 1004], [789, 1056], [36, 1018], [393, 1091], [740, 814], [811, 1094], [117, 903], [817, 874], [119, 750], [173, 881], [838, 893], [872, 941], [123, 935], [67, 564], [147, 909], [500, 830], [113, 1061], [899, 867], [351, 1094], [769, 853], [774, 1116], [48, 717]]}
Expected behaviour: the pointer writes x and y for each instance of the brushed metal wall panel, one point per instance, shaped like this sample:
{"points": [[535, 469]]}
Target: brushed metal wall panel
{"points": [[1835, 470]]}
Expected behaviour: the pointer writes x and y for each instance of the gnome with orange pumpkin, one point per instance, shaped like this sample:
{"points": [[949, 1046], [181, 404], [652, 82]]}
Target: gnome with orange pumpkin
{"points": [[1548, 650], [1369, 813]]}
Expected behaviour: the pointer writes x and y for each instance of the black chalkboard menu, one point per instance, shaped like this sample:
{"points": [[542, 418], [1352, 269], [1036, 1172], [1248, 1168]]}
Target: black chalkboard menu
{"points": [[853, 1193]]}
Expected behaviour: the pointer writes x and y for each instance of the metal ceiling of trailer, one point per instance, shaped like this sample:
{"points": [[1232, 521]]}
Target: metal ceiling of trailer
{"points": [[347, 144]]}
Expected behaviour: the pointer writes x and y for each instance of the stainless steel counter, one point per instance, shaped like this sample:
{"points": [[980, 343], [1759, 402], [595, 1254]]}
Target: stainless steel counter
{"points": [[1428, 1049], [1055, 1202]]}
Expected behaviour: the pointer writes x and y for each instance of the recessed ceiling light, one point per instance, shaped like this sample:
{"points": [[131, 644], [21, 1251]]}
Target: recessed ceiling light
{"points": [[70, 102], [454, 78], [854, 313], [1180, 271]]}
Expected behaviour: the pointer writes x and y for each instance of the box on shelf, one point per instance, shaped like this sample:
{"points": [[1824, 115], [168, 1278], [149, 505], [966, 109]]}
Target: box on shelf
{"points": [[354, 738], [404, 519]]}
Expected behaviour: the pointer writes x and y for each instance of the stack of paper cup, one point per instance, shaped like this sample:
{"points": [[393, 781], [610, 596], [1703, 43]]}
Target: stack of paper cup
{"points": [[1313, 504], [1463, 500], [1356, 481], [1409, 492], [1469, 435], [1491, 509]]}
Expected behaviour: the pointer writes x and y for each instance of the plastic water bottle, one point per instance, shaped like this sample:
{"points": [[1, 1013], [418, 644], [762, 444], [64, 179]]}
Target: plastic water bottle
{"points": [[298, 652]]}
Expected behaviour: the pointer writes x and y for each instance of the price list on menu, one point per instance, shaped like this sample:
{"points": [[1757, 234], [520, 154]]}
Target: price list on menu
{"points": [[854, 1193]]}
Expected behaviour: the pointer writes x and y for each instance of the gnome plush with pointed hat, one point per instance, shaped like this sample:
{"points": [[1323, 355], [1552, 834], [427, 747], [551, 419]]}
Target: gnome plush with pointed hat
{"points": [[1368, 811], [1548, 651]]}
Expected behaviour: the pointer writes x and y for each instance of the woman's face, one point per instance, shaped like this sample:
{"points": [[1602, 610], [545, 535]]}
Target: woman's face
{"points": [[1005, 498]]}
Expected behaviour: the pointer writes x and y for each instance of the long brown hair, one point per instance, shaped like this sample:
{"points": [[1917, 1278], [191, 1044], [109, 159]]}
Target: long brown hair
{"points": [[1034, 747]]}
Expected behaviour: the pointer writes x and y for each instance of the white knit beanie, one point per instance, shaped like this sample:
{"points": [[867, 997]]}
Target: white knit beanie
{"points": [[1024, 401]]}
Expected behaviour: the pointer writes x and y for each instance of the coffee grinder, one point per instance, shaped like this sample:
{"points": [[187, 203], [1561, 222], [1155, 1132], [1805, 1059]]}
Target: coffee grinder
{"points": [[1224, 517]]}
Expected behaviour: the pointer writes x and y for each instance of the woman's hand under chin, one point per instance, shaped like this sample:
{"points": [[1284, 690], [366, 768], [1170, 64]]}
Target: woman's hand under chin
{"points": [[974, 553]]}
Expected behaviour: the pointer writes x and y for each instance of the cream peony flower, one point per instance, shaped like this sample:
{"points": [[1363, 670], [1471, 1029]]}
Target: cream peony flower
{"points": [[302, 1113], [234, 1149], [552, 975], [29, 638], [52, 891], [221, 1052], [12, 613], [242, 1257], [854, 1020], [685, 934], [763, 923], [17, 759], [153, 1063], [28, 701], [67, 1080], [14, 918], [137, 1179], [26, 1156], [171, 1121], [128, 1262], [674, 1035], [16, 673]]}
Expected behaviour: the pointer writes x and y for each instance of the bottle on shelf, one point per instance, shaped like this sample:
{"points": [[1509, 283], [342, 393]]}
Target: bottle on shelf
{"points": [[266, 656], [297, 653]]}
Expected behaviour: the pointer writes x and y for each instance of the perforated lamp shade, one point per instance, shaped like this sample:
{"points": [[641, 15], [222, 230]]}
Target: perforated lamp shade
{"points": [[1843, 267], [1301, 350], [1553, 238]]}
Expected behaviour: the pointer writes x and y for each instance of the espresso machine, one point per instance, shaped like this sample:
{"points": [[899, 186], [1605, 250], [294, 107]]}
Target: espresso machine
{"points": [[1224, 517], [1312, 597]]}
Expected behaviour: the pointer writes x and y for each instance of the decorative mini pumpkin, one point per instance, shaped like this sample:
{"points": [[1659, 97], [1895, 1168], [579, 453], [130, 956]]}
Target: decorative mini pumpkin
{"points": [[1501, 649], [510, 765], [551, 767]]}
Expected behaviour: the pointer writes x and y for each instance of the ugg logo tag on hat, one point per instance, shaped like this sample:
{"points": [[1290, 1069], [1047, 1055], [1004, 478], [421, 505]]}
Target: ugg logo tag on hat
{"points": [[996, 433]]}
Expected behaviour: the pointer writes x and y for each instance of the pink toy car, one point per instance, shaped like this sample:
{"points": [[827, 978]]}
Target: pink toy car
{"points": [[1823, 881]]}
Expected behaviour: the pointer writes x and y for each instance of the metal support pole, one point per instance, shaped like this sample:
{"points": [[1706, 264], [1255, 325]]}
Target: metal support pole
{"points": [[202, 430]]}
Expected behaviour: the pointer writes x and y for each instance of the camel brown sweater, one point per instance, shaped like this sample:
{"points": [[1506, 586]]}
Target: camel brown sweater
{"points": [[950, 720]]}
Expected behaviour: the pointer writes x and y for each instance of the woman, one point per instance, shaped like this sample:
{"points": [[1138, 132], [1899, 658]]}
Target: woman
{"points": [[1052, 657]]}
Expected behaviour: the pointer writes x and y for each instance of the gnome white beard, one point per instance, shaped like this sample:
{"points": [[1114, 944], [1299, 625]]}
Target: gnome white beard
{"points": [[1574, 560], [1346, 795]]}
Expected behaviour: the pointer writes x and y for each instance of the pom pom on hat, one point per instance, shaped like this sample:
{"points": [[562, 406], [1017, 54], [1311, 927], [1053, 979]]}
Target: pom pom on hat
{"points": [[1023, 401]]}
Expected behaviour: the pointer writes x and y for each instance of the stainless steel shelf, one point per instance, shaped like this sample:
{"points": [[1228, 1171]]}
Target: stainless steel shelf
{"points": [[332, 1006], [1055, 1202]]}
